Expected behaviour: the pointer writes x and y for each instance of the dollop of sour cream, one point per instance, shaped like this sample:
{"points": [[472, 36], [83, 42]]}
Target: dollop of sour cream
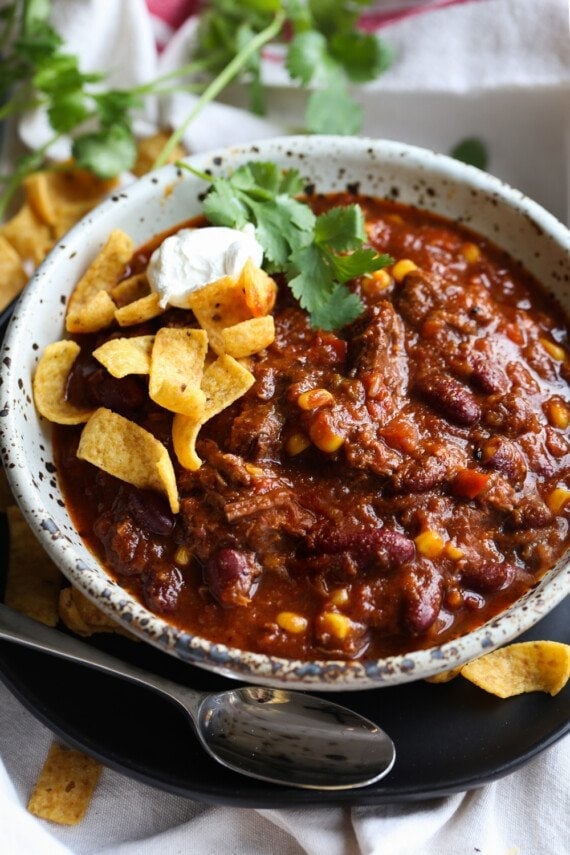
{"points": [[192, 258]]}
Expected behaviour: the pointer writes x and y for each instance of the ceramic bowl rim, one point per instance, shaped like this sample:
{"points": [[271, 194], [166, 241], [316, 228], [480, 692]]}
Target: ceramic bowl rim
{"points": [[324, 675]]}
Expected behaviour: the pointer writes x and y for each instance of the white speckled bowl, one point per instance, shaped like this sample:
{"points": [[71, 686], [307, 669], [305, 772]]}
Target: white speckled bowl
{"points": [[158, 201]]}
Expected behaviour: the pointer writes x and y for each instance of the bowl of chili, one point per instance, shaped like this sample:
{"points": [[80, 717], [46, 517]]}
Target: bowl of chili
{"points": [[389, 499]]}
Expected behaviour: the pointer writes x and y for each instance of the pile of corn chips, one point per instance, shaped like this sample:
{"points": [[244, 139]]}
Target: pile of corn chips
{"points": [[193, 373], [54, 201]]}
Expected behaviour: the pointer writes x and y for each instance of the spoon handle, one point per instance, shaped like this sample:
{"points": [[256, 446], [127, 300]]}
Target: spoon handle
{"points": [[30, 633]]}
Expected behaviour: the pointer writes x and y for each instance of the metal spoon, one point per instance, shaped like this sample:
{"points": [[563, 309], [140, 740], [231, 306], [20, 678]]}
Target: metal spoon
{"points": [[274, 735]]}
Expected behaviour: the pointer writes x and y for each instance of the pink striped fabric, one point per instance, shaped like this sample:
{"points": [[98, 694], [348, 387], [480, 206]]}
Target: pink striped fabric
{"points": [[173, 13]]}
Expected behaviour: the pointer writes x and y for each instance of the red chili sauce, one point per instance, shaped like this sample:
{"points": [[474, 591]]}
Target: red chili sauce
{"points": [[410, 504]]}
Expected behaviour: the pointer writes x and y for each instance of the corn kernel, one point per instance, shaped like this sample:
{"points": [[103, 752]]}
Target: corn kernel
{"points": [[324, 433], [377, 281], [402, 268], [453, 552], [430, 543], [182, 556], [471, 252], [292, 622], [395, 218], [337, 625], [315, 398], [454, 598], [339, 597], [254, 471], [558, 414], [556, 352], [297, 443], [325, 437], [557, 499]]}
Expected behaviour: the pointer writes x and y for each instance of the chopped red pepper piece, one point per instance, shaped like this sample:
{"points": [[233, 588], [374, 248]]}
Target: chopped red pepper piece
{"points": [[469, 483]]}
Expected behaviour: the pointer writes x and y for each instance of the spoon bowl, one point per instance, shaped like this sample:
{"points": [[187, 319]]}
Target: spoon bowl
{"points": [[273, 735]]}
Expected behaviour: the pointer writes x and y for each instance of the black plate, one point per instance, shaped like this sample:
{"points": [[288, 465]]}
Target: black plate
{"points": [[449, 737]]}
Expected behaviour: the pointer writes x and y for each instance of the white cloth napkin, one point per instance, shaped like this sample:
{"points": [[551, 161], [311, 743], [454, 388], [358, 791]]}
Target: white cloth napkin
{"points": [[496, 69]]}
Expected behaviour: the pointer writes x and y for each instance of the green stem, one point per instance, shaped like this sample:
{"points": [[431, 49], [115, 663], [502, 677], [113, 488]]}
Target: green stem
{"points": [[190, 87], [17, 106], [9, 26], [197, 172], [190, 68], [220, 82]]}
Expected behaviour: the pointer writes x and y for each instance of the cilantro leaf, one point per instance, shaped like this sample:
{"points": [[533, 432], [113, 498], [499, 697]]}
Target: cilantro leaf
{"points": [[300, 215], [332, 16], [60, 75], [37, 42], [252, 69], [272, 230], [312, 282], [472, 151], [308, 59], [68, 111], [359, 262], [224, 208], [291, 182], [342, 307], [112, 106], [363, 56], [107, 152], [265, 175], [331, 305], [332, 111], [341, 228]]}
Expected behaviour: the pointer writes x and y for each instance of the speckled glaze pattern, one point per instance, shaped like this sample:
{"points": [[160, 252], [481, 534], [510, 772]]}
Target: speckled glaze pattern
{"points": [[375, 167]]}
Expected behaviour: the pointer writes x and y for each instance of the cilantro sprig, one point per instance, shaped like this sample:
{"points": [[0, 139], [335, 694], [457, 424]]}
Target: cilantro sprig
{"points": [[326, 52], [318, 254], [36, 71]]}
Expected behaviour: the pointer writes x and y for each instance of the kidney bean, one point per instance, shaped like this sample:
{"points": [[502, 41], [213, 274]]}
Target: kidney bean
{"points": [[486, 375], [489, 576], [419, 476], [388, 547], [422, 598], [532, 512], [448, 396], [125, 545], [418, 295], [504, 456], [150, 510], [232, 576], [162, 587]]}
